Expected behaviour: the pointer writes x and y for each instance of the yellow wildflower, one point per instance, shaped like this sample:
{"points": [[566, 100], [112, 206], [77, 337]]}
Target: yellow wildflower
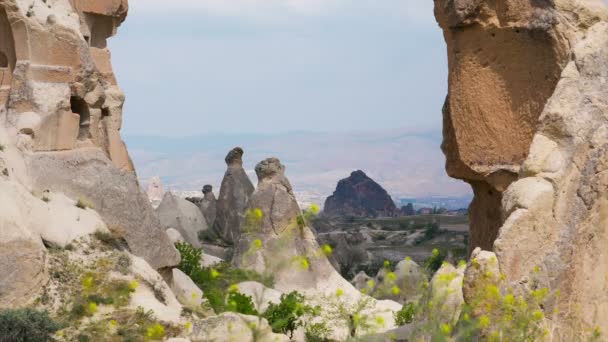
{"points": [[327, 250], [339, 292], [484, 321], [314, 209], [133, 285], [446, 329], [214, 273], [380, 320], [92, 308], [257, 243], [233, 288], [396, 290]]}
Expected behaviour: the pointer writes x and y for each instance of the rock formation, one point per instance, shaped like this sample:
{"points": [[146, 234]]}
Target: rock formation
{"points": [[234, 194], [155, 191], [525, 125], [208, 204], [358, 195], [177, 213], [276, 240], [60, 121]]}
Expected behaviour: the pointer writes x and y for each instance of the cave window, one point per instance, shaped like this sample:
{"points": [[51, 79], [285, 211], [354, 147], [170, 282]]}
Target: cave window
{"points": [[105, 112], [80, 107], [3, 60]]}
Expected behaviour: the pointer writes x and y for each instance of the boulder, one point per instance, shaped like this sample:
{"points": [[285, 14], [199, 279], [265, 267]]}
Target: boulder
{"points": [[261, 295], [186, 290], [360, 196], [234, 195], [446, 293], [362, 281], [234, 327], [182, 215], [175, 236], [210, 260], [87, 174], [22, 254], [408, 277]]}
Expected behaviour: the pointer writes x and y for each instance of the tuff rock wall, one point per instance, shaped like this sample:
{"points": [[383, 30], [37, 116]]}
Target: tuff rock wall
{"points": [[60, 121], [526, 124]]}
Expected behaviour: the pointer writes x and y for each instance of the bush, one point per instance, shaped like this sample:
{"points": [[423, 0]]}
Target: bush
{"points": [[215, 281], [317, 332], [27, 325], [286, 316], [405, 315], [434, 262], [243, 304], [83, 204]]}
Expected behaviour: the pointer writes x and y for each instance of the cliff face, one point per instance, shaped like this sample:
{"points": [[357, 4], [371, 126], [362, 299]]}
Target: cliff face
{"points": [[525, 125], [61, 115], [358, 195]]}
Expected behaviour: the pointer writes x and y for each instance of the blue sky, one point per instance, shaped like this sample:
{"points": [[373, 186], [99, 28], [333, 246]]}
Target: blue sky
{"points": [[270, 66]]}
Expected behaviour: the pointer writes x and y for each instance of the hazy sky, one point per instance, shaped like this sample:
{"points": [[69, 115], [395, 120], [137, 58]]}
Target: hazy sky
{"points": [[190, 67]]}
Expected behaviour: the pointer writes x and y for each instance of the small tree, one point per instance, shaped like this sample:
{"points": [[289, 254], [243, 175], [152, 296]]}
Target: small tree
{"points": [[286, 316], [27, 325]]}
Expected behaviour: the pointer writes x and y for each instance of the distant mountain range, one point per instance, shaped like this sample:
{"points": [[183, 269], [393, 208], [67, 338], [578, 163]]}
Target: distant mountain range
{"points": [[408, 164]]}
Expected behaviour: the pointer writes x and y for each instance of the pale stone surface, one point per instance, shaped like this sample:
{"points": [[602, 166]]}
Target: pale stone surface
{"points": [[559, 240], [180, 214], [446, 291], [234, 195], [505, 61], [170, 309], [175, 236], [186, 290], [261, 295], [87, 173], [234, 327], [210, 260], [155, 191]]}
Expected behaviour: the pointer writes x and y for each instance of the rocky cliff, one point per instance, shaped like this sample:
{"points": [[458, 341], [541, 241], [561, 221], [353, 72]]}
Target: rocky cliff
{"points": [[60, 120], [525, 125], [360, 196]]}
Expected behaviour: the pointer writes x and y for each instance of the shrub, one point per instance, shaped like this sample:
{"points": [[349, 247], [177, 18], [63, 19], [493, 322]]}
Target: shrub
{"points": [[27, 325], [317, 332], [215, 281], [2, 148], [406, 314], [434, 262], [286, 316], [238, 302]]}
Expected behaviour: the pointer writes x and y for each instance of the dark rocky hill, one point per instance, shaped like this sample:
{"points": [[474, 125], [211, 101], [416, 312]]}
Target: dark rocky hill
{"points": [[360, 196]]}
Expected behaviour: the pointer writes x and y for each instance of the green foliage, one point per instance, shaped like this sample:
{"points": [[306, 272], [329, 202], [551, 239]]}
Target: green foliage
{"points": [[27, 325], [238, 302], [317, 332], [432, 231], [286, 316], [434, 262], [215, 281], [406, 314]]}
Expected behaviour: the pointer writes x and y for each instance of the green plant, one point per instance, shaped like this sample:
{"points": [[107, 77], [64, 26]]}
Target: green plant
{"points": [[406, 314], [434, 262], [286, 316], [215, 281], [317, 332], [238, 302], [27, 325]]}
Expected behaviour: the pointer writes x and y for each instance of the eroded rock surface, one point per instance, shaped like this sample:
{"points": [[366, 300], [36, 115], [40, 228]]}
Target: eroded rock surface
{"points": [[525, 124], [182, 215], [61, 110], [234, 195]]}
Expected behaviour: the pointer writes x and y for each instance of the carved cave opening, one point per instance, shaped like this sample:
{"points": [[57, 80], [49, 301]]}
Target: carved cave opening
{"points": [[80, 107]]}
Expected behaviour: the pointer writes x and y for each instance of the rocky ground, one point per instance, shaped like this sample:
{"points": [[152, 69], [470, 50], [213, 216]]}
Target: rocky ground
{"points": [[364, 244]]}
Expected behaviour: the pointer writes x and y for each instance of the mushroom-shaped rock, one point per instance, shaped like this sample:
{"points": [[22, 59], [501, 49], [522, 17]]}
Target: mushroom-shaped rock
{"points": [[155, 191], [276, 240], [234, 194], [182, 215]]}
